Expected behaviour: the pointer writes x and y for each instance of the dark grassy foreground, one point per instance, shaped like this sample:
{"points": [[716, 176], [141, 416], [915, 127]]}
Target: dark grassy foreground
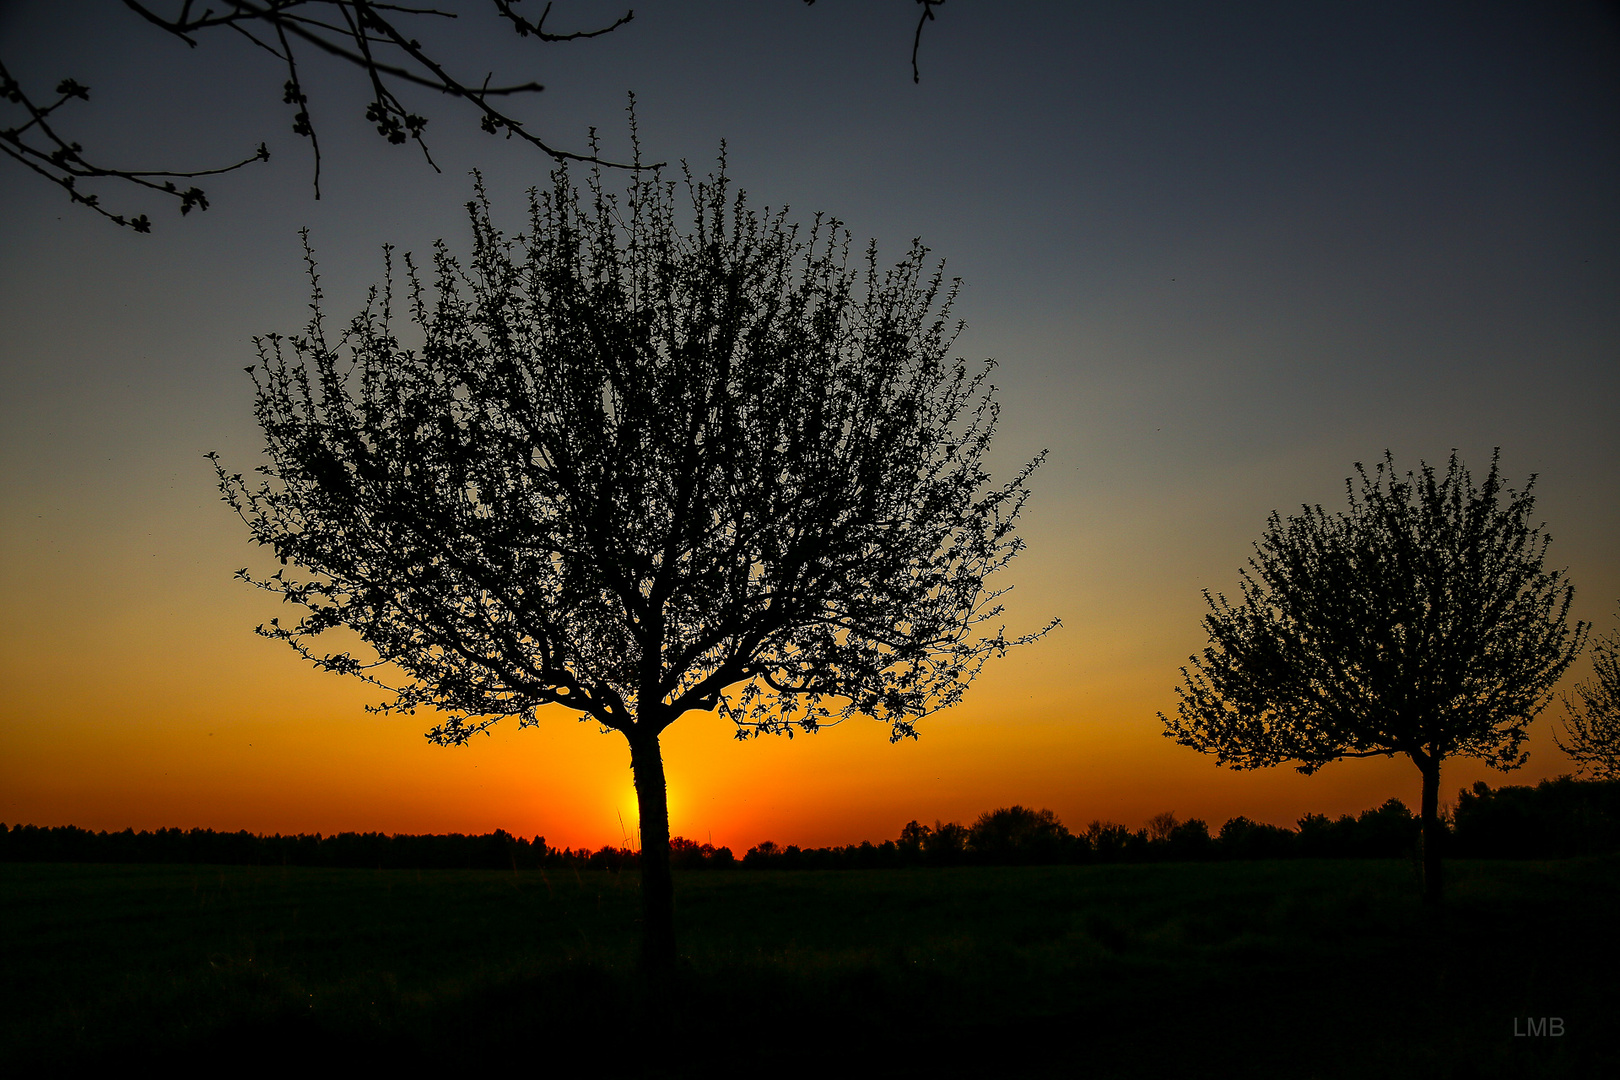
{"points": [[1298, 968]]}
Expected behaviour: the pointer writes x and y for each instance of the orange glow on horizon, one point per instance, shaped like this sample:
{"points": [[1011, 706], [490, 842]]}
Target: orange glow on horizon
{"points": [[140, 698], [324, 765]]}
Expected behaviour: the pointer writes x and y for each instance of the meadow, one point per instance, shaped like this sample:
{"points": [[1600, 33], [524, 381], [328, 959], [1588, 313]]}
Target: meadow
{"points": [[1291, 968]]}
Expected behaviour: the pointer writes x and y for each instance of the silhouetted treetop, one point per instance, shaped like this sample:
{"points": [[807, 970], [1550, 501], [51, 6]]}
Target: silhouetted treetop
{"points": [[633, 467]]}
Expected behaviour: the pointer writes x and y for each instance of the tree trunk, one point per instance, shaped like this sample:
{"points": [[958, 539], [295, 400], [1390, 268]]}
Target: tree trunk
{"points": [[657, 886], [1432, 829]]}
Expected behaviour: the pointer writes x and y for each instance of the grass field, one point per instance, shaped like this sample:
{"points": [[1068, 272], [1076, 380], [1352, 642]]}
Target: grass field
{"points": [[1289, 968]]}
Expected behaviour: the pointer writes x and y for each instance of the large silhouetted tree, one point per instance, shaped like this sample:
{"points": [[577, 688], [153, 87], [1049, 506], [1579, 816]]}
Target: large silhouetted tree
{"points": [[1592, 726], [1419, 621], [649, 456]]}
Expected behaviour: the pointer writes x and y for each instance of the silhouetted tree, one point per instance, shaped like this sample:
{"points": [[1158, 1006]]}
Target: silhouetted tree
{"points": [[384, 41], [913, 837], [1420, 621], [634, 470], [1592, 724], [946, 843], [1106, 840], [687, 854], [1388, 831], [1190, 839], [1241, 838], [1160, 826], [1017, 834], [762, 856], [1321, 837]]}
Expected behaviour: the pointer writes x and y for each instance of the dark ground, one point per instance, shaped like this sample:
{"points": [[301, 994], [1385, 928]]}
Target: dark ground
{"points": [[1287, 968]]}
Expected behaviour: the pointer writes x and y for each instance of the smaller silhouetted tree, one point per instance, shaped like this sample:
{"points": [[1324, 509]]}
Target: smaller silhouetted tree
{"points": [[1419, 621], [1592, 726]]}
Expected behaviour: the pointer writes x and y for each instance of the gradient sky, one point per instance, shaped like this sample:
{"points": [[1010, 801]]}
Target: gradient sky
{"points": [[1221, 252]]}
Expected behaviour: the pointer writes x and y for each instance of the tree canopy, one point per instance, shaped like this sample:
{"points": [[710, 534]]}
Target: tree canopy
{"points": [[635, 467], [1420, 621]]}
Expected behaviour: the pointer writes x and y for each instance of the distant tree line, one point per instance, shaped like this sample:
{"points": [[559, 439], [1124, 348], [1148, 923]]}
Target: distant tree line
{"points": [[498, 850], [1017, 835], [1555, 819]]}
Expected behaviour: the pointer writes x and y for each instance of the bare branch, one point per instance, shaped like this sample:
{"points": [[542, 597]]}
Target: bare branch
{"points": [[361, 34], [62, 162], [928, 7], [507, 8], [350, 33]]}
